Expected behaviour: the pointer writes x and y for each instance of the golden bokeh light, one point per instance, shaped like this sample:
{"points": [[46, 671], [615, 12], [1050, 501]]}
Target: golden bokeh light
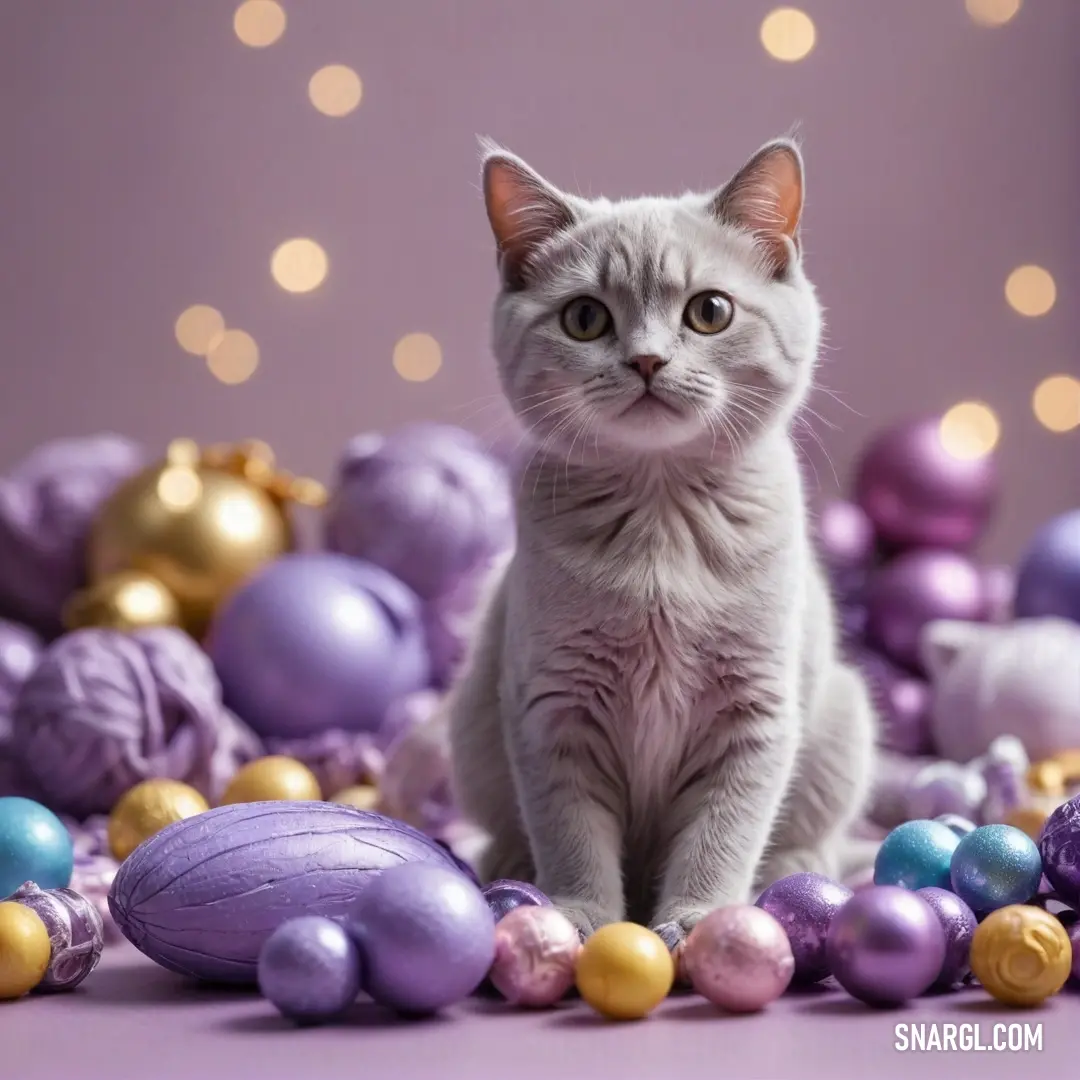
{"points": [[1056, 403], [417, 357], [259, 23], [179, 488], [299, 265], [198, 328], [993, 12], [234, 357], [335, 90], [788, 34], [970, 430], [1030, 290]]}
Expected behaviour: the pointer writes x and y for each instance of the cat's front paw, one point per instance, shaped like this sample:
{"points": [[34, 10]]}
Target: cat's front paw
{"points": [[674, 924], [588, 918]]}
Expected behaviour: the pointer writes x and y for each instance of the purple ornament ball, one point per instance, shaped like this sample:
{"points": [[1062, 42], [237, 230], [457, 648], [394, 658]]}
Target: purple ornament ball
{"points": [[1048, 581], [48, 503], [958, 922], [1059, 847], [427, 937], [104, 710], [845, 536], [309, 969], [504, 895], [901, 701], [314, 642], [917, 588], [919, 494], [76, 934], [886, 946], [805, 905]]}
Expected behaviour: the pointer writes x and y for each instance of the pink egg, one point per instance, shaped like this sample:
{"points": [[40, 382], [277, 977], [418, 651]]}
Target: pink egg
{"points": [[536, 949]]}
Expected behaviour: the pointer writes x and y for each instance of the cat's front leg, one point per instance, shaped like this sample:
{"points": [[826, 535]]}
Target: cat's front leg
{"points": [[721, 821], [571, 804]]}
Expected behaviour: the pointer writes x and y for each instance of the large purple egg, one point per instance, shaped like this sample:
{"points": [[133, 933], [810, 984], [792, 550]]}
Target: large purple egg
{"points": [[318, 641], [1048, 582], [76, 934], [427, 937], [959, 922], [805, 905], [1059, 847], [919, 494], [886, 945], [917, 588], [504, 895]]}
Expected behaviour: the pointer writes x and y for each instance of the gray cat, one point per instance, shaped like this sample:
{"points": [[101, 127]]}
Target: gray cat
{"points": [[654, 721]]}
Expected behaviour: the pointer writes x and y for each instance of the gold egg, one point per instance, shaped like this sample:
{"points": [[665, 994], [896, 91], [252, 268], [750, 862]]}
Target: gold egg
{"points": [[25, 950], [129, 600], [1047, 777], [271, 779], [360, 796], [199, 531], [146, 809], [624, 971], [1021, 954]]}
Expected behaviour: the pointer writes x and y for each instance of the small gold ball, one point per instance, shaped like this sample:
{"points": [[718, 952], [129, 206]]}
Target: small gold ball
{"points": [[360, 796], [146, 809], [25, 950], [1069, 760], [271, 779], [126, 601], [1028, 819], [1021, 954], [1047, 777], [624, 971]]}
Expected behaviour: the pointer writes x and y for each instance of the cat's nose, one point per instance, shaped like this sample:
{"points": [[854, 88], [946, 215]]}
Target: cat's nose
{"points": [[646, 366]]}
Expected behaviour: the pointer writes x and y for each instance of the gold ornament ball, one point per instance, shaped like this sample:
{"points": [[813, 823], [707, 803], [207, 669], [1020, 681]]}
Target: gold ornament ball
{"points": [[360, 796], [25, 950], [146, 809], [624, 971], [1029, 819], [271, 779], [199, 531], [1021, 955], [130, 600]]}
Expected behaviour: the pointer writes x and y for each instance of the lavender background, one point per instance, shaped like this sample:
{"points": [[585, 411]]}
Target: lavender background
{"points": [[151, 161]]}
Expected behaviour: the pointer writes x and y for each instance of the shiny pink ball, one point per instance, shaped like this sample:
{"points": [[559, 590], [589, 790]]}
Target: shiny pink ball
{"points": [[739, 958], [536, 949]]}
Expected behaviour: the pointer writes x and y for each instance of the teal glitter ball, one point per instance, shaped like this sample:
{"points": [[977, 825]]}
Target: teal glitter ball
{"points": [[916, 855], [34, 846], [995, 866]]}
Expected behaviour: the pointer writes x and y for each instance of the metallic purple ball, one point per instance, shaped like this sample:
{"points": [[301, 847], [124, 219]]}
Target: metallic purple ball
{"points": [[917, 588], [427, 937], [959, 923], [804, 905], [845, 536], [901, 701], [76, 934], [918, 494], [504, 895], [1048, 582], [1059, 847], [886, 945], [309, 969]]}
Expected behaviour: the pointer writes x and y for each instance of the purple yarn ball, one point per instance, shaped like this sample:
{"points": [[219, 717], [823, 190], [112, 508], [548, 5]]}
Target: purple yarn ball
{"points": [[339, 759], [504, 895], [48, 503], [918, 494], [19, 652], [104, 710], [310, 969], [958, 922], [917, 588], [425, 503], [805, 906], [901, 701], [1059, 847], [427, 937], [76, 934], [1048, 582], [886, 945], [316, 642]]}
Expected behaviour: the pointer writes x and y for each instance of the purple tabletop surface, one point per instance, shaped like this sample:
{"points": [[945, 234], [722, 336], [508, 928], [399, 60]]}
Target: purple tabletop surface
{"points": [[133, 1021]]}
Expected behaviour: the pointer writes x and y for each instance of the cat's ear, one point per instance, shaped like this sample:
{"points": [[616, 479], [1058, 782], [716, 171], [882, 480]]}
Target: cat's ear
{"points": [[525, 210], [943, 640], [766, 198]]}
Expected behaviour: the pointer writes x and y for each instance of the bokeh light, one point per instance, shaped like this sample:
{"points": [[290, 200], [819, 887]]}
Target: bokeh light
{"points": [[234, 357], [992, 12], [259, 23], [1056, 403], [417, 357], [198, 328], [299, 265], [179, 488], [788, 34], [335, 90], [970, 430], [1030, 290]]}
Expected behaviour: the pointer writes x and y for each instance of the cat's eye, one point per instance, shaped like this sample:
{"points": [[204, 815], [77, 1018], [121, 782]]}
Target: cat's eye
{"points": [[585, 319], [709, 313]]}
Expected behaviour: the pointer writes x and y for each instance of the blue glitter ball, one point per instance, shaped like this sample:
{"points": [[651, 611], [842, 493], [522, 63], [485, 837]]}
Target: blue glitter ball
{"points": [[995, 866], [959, 825], [916, 855], [34, 846]]}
